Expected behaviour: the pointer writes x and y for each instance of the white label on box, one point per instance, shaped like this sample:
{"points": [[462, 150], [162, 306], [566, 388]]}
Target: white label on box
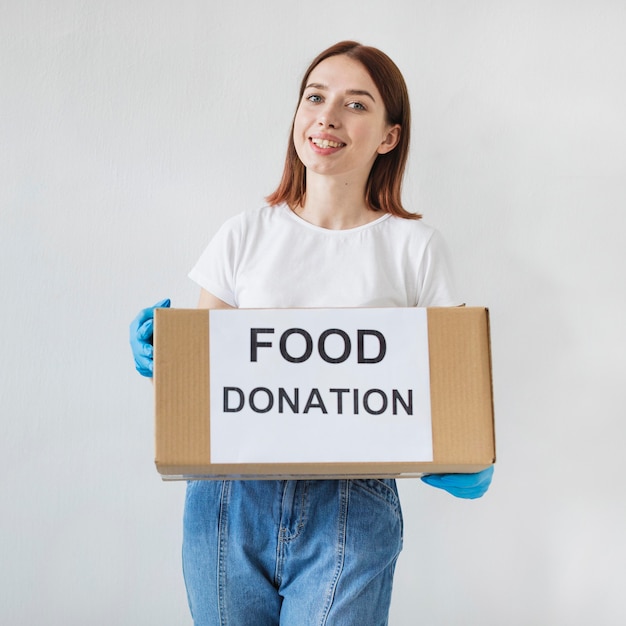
{"points": [[320, 385]]}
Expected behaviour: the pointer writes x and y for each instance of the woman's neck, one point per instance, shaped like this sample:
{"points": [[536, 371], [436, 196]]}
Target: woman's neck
{"points": [[335, 204]]}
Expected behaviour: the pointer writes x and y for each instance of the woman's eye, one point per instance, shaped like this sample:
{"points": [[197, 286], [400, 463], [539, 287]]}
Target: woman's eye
{"points": [[356, 105], [314, 98]]}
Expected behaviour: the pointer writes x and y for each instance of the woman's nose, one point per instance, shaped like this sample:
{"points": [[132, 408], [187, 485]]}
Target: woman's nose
{"points": [[328, 118]]}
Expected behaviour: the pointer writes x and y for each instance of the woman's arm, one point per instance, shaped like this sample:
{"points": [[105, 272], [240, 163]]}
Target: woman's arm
{"points": [[209, 301]]}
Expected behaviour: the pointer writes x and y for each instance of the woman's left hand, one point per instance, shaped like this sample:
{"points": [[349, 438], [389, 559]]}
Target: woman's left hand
{"points": [[468, 486]]}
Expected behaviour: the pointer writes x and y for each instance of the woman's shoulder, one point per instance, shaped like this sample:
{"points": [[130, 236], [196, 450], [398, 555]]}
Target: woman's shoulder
{"points": [[240, 224], [413, 228]]}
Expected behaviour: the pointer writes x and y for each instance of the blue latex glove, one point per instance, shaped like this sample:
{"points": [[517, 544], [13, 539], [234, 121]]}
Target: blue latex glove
{"points": [[462, 485], [141, 331]]}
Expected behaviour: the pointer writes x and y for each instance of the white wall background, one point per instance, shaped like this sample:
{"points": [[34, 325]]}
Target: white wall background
{"points": [[129, 130]]}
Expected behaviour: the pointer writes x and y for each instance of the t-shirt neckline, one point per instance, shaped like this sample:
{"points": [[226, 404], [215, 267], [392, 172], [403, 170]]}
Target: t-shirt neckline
{"points": [[332, 231]]}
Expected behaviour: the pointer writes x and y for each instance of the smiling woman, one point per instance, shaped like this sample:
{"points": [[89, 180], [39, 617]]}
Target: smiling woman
{"points": [[334, 234], [340, 128], [373, 82]]}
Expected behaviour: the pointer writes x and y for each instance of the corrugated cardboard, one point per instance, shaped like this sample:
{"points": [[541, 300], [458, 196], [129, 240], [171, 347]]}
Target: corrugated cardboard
{"points": [[461, 402]]}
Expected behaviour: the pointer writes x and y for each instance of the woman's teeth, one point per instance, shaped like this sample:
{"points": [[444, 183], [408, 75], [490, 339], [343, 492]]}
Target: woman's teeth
{"points": [[326, 143]]}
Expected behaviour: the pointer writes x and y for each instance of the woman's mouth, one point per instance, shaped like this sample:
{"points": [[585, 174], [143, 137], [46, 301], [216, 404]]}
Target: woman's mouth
{"points": [[326, 143]]}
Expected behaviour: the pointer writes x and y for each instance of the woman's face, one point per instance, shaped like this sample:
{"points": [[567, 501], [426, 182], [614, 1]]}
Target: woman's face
{"points": [[341, 123]]}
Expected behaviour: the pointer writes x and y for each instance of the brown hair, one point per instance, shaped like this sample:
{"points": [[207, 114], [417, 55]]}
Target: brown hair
{"points": [[384, 185]]}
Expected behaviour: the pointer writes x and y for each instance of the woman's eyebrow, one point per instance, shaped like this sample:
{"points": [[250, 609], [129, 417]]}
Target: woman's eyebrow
{"points": [[349, 92], [360, 92]]}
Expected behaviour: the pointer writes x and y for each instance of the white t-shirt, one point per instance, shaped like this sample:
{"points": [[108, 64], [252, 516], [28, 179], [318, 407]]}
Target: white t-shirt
{"points": [[272, 258]]}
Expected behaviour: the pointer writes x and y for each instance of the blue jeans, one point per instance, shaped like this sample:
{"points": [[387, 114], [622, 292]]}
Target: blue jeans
{"points": [[294, 553]]}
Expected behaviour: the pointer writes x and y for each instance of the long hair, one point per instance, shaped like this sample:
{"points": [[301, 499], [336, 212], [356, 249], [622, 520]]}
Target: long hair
{"points": [[383, 191]]}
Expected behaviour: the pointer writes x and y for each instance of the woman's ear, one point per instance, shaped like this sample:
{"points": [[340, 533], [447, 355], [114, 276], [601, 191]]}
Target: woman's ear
{"points": [[391, 139]]}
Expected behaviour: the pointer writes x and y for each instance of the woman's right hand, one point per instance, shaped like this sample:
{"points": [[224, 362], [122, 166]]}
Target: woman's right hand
{"points": [[141, 331]]}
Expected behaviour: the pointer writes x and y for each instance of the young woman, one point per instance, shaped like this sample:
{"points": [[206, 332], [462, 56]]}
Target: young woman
{"points": [[334, 234]]}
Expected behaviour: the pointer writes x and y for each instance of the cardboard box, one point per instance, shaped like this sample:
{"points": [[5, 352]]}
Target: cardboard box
{"points": [[322, 393]]}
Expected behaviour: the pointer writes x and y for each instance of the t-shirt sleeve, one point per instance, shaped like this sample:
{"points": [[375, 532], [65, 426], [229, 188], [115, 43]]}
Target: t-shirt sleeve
{"points": [[216, 267], [435, 278]]}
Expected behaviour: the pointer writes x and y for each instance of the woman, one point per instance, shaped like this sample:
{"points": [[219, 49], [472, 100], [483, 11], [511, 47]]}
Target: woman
{"points": [[334, 234]]}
